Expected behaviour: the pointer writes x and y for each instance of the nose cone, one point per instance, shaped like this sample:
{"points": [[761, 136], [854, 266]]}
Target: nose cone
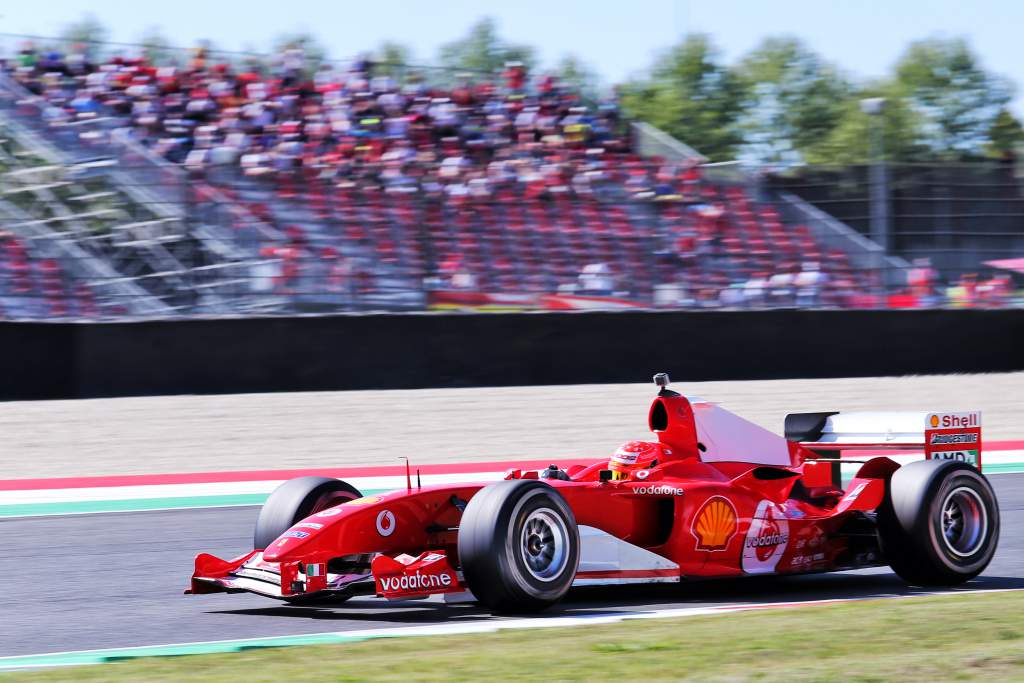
{"points": [[353, 527], [279, 549], [315, 531]]}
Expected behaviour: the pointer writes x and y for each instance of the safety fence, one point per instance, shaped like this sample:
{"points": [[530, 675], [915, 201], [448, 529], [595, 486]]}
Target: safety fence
{"points": [[955, 215]]}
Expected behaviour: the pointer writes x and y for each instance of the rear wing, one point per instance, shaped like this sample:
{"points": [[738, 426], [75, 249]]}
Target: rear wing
{"points": [[950, 436]]}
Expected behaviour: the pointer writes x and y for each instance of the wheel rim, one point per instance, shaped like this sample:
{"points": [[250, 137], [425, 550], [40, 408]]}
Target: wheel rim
{"points": [[544, 544], [964, 521], [330, 499]]}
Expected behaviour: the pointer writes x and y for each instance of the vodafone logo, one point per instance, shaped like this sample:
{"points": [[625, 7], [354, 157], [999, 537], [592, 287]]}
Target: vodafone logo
{"points": [[385, 522], [765, 543], [656, 490], [766, 539], [415, 582]]}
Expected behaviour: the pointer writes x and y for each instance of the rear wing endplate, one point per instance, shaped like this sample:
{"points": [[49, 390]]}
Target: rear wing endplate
{"points": [[950, 436]]}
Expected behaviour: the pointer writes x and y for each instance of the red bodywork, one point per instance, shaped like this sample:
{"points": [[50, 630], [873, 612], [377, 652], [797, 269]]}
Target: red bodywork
{"points": [[729, 499]]}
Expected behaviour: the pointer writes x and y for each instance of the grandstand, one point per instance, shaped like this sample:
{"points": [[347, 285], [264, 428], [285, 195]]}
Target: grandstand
{"points": [[40, 276], [210, 188]]}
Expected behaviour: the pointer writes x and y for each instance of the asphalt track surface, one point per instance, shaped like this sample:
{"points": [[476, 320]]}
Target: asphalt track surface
{"points": [[116, 580]]}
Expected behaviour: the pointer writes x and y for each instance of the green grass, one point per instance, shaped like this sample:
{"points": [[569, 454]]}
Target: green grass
{"points": [[970, 637]]}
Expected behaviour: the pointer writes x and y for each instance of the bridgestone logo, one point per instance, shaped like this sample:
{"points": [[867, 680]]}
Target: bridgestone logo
{"points": [[766, 540], [416, 581], [658, 491], [954, 438]]}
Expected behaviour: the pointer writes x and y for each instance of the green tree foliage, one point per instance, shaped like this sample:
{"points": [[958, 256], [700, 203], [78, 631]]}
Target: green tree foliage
{"points": [[1005, 136], [391, 59], [579, 76], [849, 142], [157, 48], [312, 49], [87, 32], [482, 49], [794, 99], [692, 95], [959, 100]]}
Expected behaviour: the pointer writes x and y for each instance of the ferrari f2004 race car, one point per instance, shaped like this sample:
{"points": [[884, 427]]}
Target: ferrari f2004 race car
{"points": [[713, 496]]}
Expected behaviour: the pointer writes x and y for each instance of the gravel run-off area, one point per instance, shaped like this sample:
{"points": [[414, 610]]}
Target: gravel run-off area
{"points": [[332, 429]]}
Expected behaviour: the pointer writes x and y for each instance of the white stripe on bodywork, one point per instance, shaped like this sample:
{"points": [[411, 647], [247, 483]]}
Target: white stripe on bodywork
{"points": [[728, 437], [622, 582], [875, 427], [602, 552]]}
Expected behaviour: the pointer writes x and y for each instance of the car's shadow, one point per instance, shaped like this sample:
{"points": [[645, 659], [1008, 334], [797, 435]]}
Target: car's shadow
{"points": [[608, 600]]}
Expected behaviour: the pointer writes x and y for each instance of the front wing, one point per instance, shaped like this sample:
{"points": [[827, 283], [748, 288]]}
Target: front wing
{"points": [[604, 560]]}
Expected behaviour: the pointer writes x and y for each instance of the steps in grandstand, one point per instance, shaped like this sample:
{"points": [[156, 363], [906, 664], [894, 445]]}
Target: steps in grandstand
{"points": [[856, 251], [110, 236], [134, 259]]}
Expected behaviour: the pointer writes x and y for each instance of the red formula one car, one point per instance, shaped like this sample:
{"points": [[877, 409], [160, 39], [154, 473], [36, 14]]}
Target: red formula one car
{"points": [[714, 496]]}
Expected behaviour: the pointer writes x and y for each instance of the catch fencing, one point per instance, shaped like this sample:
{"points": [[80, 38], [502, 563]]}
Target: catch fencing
{"points": [[956, 215]]}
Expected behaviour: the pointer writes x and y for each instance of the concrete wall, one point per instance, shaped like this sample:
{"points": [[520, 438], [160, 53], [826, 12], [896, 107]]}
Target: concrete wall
{"points": [[67, 360]]}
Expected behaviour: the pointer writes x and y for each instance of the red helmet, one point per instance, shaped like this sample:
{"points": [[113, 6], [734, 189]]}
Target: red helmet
{"points": [[633, 456]]}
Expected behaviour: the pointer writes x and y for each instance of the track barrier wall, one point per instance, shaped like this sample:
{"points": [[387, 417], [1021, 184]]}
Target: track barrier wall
{"points": [[238, 355]]}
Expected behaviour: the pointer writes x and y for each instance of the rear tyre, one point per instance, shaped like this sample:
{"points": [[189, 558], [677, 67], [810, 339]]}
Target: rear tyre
{"points": [[518, 546], [295, 500], [939, 523]]}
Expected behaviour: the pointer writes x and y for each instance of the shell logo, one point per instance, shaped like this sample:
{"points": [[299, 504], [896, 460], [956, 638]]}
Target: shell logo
{"points": [[365, 500], [934, 420], [715, 524]]}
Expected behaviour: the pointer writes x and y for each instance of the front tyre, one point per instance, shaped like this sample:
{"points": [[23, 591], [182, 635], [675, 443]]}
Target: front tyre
{"points": [[518, 546], [295, 500], [939, 524]]}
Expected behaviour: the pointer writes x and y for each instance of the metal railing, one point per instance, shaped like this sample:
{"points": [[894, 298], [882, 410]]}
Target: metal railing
{"points": [[653, 142], [956, 216], [377, 252]]}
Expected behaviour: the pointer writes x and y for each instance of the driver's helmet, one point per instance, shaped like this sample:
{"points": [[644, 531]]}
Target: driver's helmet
{"points": [[633, 456]]}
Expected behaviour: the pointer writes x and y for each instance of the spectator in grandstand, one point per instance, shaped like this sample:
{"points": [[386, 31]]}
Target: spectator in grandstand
{"points": [[809, 283], [922, 280], [672, 295], [755, 290], [781, 287], [596, 279], [733, 296], [455, 273]]}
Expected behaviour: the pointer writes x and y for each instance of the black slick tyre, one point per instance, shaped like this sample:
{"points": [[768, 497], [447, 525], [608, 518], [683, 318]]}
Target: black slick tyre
{"points": [[939, 523], [295, 500], [519, 546]]}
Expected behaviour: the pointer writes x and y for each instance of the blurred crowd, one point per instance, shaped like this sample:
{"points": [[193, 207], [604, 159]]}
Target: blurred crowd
{"points": [[355, 122], [540, 190]]}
